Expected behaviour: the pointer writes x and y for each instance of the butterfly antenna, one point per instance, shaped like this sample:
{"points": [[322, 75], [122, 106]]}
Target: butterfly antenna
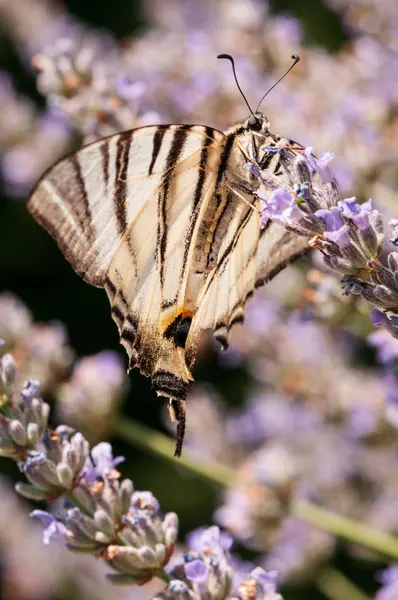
{"points": [[295, 58], [229, 57]]}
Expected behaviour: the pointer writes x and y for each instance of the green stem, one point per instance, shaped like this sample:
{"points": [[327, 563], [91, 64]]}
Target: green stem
{"points": [[348, 529], [162, 446], [166, 577], [335, 586], [71, 496]]}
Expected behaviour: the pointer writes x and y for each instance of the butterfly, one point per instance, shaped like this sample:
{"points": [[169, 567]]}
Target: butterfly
{"points": [[165, 219]]}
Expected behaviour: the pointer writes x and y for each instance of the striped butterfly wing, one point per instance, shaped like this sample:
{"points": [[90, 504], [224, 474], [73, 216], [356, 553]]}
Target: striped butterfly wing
{"points": [[227, 287], [249, 256], [130, 213]]}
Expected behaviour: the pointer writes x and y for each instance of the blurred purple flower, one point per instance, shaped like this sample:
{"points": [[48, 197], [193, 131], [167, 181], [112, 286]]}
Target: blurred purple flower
{"points": [[144, 501], [267, 579], [378, 318], [385, 344], [196, 571], [389, 579], [206, 538]]}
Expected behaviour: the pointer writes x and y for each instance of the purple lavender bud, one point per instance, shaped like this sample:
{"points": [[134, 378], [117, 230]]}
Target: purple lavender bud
{"points": [[339, 237], [386, 297], [393, 261], [321, 164], [31, 390], [280, 207], [144, 501], [8, 371], [92, 395], [55, 470], [267, 579], [53, 529], [100, 464], [394, 225], [358, 213], [26, 417], [378, 318], [209, 538], [331, 217], [196, 571]]}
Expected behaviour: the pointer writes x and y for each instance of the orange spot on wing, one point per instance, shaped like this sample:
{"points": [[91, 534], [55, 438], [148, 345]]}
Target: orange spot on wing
{"points": [[173, 314]]}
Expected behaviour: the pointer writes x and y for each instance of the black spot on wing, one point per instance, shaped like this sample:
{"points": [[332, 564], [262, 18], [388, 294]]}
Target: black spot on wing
{"points": [[178, 330]]}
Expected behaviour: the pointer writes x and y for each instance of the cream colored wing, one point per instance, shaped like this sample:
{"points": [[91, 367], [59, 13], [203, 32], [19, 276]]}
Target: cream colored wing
{"points": [[276, 249], [227, 288], [249, 257], [128, 212]]}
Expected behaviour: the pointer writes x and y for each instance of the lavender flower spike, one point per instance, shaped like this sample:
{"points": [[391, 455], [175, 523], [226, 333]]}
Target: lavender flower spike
{"points": [[22, 420]]}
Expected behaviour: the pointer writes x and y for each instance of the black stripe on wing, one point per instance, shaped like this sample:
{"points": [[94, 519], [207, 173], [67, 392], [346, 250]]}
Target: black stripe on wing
{"points": [[82, 209], [122, 165], [207, 142], [176, 148], [157, 144]]}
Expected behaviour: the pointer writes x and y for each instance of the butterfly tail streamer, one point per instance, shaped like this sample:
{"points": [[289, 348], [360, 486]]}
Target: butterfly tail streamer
{"points": [[178, 413]]}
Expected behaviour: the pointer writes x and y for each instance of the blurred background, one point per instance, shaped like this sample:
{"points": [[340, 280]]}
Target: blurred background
{"points": [[303, 398]]}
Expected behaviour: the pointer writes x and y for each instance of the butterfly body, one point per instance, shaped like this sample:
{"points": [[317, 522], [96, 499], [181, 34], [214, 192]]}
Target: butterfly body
{"points": [[164, 218]]}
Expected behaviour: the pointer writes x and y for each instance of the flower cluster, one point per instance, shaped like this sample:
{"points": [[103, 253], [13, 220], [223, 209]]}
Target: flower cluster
{"points": [[104, 516], [349, 235], [89, 395]]}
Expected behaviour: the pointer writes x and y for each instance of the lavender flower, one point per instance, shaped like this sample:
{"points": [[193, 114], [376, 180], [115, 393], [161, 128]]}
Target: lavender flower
{"points": [[22, 421], [125, 526], [92, 395], [389, 579], [202, 574], [280, 207], [15, 319]]}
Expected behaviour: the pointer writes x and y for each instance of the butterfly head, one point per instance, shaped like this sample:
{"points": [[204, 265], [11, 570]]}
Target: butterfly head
{"points": [[256, 122]]}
